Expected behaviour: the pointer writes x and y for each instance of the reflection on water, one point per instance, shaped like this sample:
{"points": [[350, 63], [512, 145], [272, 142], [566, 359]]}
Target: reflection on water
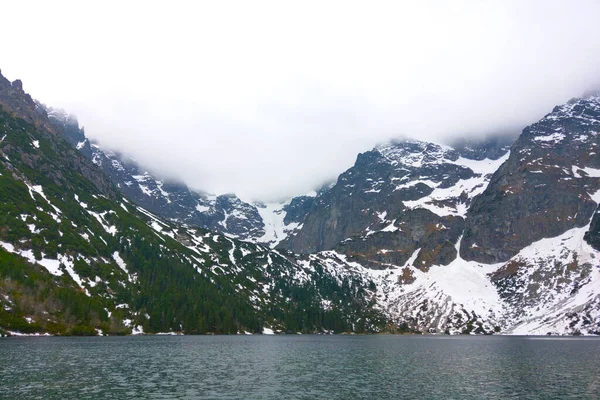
{"points": [[303, 367]]}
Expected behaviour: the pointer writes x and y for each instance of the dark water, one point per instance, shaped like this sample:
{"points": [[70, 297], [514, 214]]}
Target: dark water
{"points": [[300, 367]]}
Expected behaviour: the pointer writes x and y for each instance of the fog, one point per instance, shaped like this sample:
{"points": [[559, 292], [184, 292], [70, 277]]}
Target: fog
{"points": [[270, 99]]}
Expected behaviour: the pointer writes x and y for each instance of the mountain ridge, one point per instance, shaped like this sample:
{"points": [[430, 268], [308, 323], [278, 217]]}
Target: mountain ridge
{"points": [[78, 260], [415, 237]]}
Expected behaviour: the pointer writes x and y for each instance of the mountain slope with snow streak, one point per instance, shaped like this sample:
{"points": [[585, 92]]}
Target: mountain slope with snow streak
{"points": [[479, 237], [550, 287], [399, 197], [79, 258], [545, 188]]}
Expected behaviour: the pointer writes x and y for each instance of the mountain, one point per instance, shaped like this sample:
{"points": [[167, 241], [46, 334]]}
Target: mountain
{"points": [[499, 234], [256, 222], [456, 241], [548, 185], [168, 198], [397, 198], [78, 257]]}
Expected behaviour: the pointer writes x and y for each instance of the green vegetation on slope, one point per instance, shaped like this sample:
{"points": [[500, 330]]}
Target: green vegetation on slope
{"points": [[76, 259]]}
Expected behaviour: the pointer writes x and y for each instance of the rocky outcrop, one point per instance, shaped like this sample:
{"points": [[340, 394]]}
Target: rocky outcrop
{"points": [[593, 235], [21, 105], [168, 198], [399, 197], [547, 186], [14, 99], [298, 208], [69, 126]]}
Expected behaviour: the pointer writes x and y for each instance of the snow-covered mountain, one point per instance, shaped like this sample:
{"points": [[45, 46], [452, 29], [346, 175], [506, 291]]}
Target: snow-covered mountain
{"points": [[253, 221], [460, 243], [398, 197], [171, 199], [78, 258], [547, 186], [493, 235], [431, 225]]}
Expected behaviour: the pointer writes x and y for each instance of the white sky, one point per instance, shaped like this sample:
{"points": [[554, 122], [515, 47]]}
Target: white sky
{"points": [[270, 99]]}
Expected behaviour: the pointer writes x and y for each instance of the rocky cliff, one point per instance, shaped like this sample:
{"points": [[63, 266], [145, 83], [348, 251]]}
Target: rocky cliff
{"points": [[492, 235], [548, 185]]}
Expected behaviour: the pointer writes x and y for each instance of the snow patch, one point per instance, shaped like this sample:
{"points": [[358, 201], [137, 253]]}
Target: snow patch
{"points": [[272, 215], [553, 138]]}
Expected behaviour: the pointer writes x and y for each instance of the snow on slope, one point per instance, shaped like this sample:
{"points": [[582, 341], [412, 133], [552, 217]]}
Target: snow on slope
{"points": [[471, 187], [447, 299], [444, 298], [554, 290], [272, 215], [560, 290]]}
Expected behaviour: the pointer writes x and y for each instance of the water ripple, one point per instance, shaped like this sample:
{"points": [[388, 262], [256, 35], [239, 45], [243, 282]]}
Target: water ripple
{"points": [[299, 367]]}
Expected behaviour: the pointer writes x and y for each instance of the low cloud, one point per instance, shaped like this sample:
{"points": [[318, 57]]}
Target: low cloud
{"points": [[269, 100]]}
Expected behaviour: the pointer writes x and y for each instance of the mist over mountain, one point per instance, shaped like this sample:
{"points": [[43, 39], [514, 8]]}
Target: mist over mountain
{"points": [[390, 173], [312, 169], [269, 101], [493, 235]]}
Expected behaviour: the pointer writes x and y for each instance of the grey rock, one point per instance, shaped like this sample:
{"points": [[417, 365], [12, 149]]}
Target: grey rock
{"points": [[543, 189], [170, 199], [593, 235], [365, 214]]}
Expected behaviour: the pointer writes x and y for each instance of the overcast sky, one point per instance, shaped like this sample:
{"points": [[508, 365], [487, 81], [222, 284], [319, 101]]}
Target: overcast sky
{"points": [[270, 99]]}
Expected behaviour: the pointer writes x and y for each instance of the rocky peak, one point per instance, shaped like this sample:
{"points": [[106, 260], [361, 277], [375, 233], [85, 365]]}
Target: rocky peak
{"points": [[415, 153], [400, 197], [17, 85], [13, 98], [586, 108], [61, 115], [548, 185], [21, 105]]}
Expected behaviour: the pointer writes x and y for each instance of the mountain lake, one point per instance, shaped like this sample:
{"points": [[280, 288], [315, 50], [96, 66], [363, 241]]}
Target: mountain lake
{"points": [[300, 367]]}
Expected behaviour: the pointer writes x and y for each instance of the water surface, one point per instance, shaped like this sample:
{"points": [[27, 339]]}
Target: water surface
{"points": [[300, 367]]}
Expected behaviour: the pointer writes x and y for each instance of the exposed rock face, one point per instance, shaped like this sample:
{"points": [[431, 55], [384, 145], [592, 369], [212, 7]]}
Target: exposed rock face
{"points": [[176, 201], [298, 208], [168, 198], [593, 235], [70, 128], [398, 198], [21, 105], [546, 187]]}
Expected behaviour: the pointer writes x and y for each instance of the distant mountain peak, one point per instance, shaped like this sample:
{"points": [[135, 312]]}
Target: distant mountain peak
{"points": [[585, 108], [415, 153]]}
